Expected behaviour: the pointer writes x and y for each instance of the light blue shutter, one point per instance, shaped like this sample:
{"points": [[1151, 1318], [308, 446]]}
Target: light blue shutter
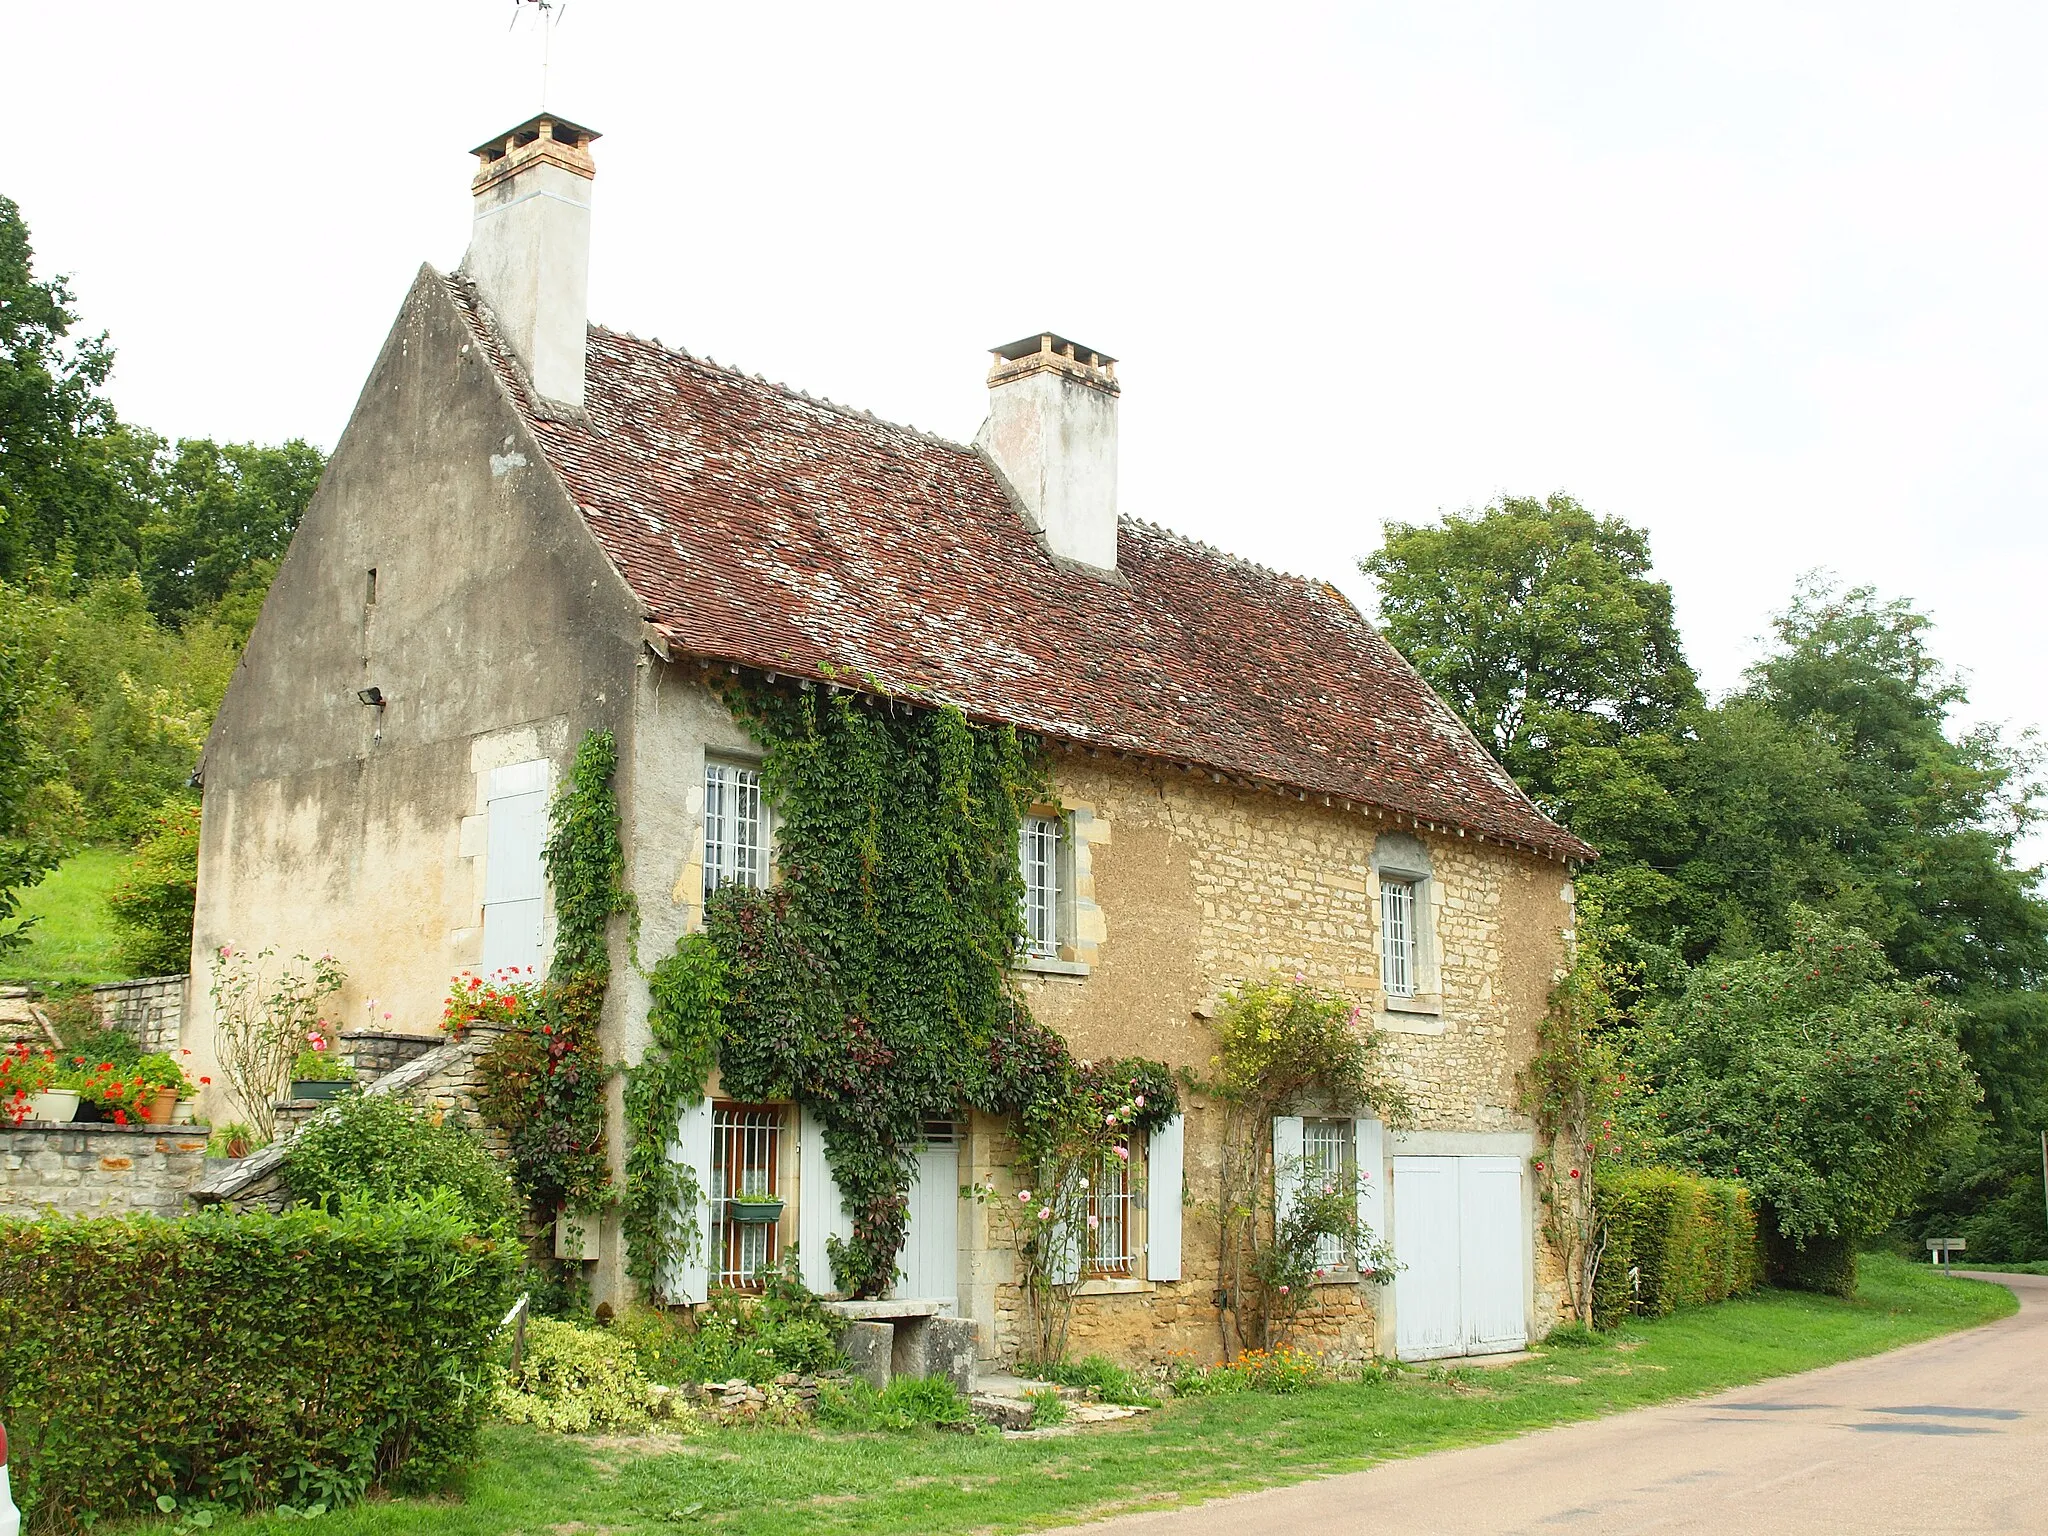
{"points": [[1286, 1165], [1164, 1152], [1369, 1137], [515, 877], [1070, 1211], [691, 1279], [821, 1210]]}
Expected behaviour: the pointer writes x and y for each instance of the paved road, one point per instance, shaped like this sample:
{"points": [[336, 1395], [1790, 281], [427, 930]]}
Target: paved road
{"points": [[1949, 1435]]}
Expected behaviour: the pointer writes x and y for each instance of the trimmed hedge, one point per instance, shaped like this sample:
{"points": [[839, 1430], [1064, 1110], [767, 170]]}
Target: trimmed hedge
{"points": [[1823, 1264], [1692, 1241], [245, 1360]]}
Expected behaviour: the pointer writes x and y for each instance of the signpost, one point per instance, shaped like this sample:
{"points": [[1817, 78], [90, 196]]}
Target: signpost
{"points": [[1941, 1247]]}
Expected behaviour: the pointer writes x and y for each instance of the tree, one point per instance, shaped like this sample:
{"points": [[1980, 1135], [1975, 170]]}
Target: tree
{"points": [[1816, 1076], [153, 905], [73, 480], [1541, 625], [223, 520], [24, 859]]}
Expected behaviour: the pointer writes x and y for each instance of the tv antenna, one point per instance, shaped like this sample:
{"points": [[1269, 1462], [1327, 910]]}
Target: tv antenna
{"points": [[547, 16]]}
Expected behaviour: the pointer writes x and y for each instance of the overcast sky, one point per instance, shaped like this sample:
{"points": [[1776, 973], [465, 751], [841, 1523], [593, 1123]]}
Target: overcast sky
{"points": [[1769, 280]]}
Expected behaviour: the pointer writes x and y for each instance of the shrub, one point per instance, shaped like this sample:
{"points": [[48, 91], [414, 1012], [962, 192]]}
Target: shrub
{"points": [[1823, 1264], [575, 1380], [908, 1402], [756, 1338], [296, 1358], [1048, 1408], [1280, 1371], [152, 906], [1110, 1382], [1690, 1241], [374, 1145], [1815, 1075], [87, 1044]]}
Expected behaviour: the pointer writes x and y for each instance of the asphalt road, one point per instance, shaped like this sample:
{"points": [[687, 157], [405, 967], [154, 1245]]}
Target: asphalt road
{"points": [[1949, 1435]]}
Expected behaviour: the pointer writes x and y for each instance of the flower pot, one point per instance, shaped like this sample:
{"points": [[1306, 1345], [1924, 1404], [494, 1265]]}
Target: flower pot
{"points": [[158, 1110], [187, 1112], [321, 1089], [576, 1237], [56, 1105], [754, 1213], [89, 1113]]}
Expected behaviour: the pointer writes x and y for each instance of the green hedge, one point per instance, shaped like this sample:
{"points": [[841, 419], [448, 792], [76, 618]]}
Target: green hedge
{"points": [[1823, 1264], [245, 1360], [1691, 1241]]}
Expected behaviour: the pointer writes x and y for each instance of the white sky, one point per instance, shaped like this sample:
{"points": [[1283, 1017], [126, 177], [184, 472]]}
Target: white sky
{"points": [[1767, 279]]}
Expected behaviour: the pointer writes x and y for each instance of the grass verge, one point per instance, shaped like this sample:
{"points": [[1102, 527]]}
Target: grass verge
{"points": [[783, 1482], [73, 941]]}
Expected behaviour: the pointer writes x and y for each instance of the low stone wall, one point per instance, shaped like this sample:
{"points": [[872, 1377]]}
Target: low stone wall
{"points": [[372, 1053], [98, 1170], [443, 1079], [151, 1011]]}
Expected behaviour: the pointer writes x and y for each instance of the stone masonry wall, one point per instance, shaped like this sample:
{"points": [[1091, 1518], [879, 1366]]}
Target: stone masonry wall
{"points": [[1198, 887], [98, 1170], [151, 1011]]}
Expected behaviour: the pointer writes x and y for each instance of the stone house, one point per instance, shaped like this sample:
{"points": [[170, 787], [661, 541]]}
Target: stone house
{"points": [[533, 527]]}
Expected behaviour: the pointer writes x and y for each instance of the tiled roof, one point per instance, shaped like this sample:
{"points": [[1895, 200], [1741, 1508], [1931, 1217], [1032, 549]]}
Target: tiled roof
{"points": [[770, 530]]}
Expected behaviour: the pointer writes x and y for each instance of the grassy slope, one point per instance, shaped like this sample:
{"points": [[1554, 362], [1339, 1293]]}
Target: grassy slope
{"points": [[782, 1482], [74, 939]]}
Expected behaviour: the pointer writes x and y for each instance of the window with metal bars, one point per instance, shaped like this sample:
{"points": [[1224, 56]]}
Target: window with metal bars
{"points": [[735, 827], [746, 1159], [1400, 958], [1329, 1153], [1038, 853], [1108, 1249]]}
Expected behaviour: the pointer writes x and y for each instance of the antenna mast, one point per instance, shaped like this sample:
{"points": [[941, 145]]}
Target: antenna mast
{"points": [[548, 14]]}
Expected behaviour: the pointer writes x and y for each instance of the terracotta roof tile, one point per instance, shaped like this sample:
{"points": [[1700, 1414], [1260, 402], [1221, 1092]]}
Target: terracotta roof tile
{"points": [[767, 529]]}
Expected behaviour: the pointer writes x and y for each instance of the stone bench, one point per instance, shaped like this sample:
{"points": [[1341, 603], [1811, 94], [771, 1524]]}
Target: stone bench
{"points": [[886, 1339]]}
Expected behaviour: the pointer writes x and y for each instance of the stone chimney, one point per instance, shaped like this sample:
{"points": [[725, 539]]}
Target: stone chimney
{"points": [[529, 249], [1051, 430]]}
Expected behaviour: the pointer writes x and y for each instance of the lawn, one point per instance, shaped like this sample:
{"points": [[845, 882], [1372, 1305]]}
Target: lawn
{"points": [[781, 1482], [73, 939]]}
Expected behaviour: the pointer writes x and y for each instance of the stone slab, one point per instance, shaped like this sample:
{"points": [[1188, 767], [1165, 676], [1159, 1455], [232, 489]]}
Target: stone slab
{"points": [[870, 1350]]}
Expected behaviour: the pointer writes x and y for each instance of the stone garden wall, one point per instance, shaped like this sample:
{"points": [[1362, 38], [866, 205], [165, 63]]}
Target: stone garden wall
{"points": [[151, 1011], [98, 1170]]}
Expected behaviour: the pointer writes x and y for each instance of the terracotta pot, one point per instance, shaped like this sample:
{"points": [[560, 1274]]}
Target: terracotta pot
{"points": [[161, 1108]]}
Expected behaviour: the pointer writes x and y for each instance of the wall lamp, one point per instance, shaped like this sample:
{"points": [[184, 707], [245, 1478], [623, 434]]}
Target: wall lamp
{"points": [[374, 697]]}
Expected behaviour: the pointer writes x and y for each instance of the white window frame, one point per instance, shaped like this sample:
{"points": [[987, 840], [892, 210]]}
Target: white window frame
{"points": [[1329, 1147], [748, 1158], [1041, 859], [737, 835], [1401, 898], [1109, 1251]]}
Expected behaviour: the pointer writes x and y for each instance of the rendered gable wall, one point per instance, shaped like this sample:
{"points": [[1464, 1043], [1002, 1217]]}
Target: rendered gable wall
{"points": [[499, 634]]}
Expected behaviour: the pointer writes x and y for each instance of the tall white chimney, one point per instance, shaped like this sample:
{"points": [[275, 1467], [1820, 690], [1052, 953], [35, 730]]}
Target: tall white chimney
{"points": [[1051, 430], [529, 249]]}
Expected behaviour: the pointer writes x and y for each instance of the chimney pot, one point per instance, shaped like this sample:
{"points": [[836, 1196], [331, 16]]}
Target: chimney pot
{"points": [[529, 248]]}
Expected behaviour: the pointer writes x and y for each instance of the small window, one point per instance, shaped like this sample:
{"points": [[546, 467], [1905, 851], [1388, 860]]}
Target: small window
{"points": [[1108, 1249], [1329, 1155], [746, 1169], [1400, 954], [1038, 852], [735, 828]]}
